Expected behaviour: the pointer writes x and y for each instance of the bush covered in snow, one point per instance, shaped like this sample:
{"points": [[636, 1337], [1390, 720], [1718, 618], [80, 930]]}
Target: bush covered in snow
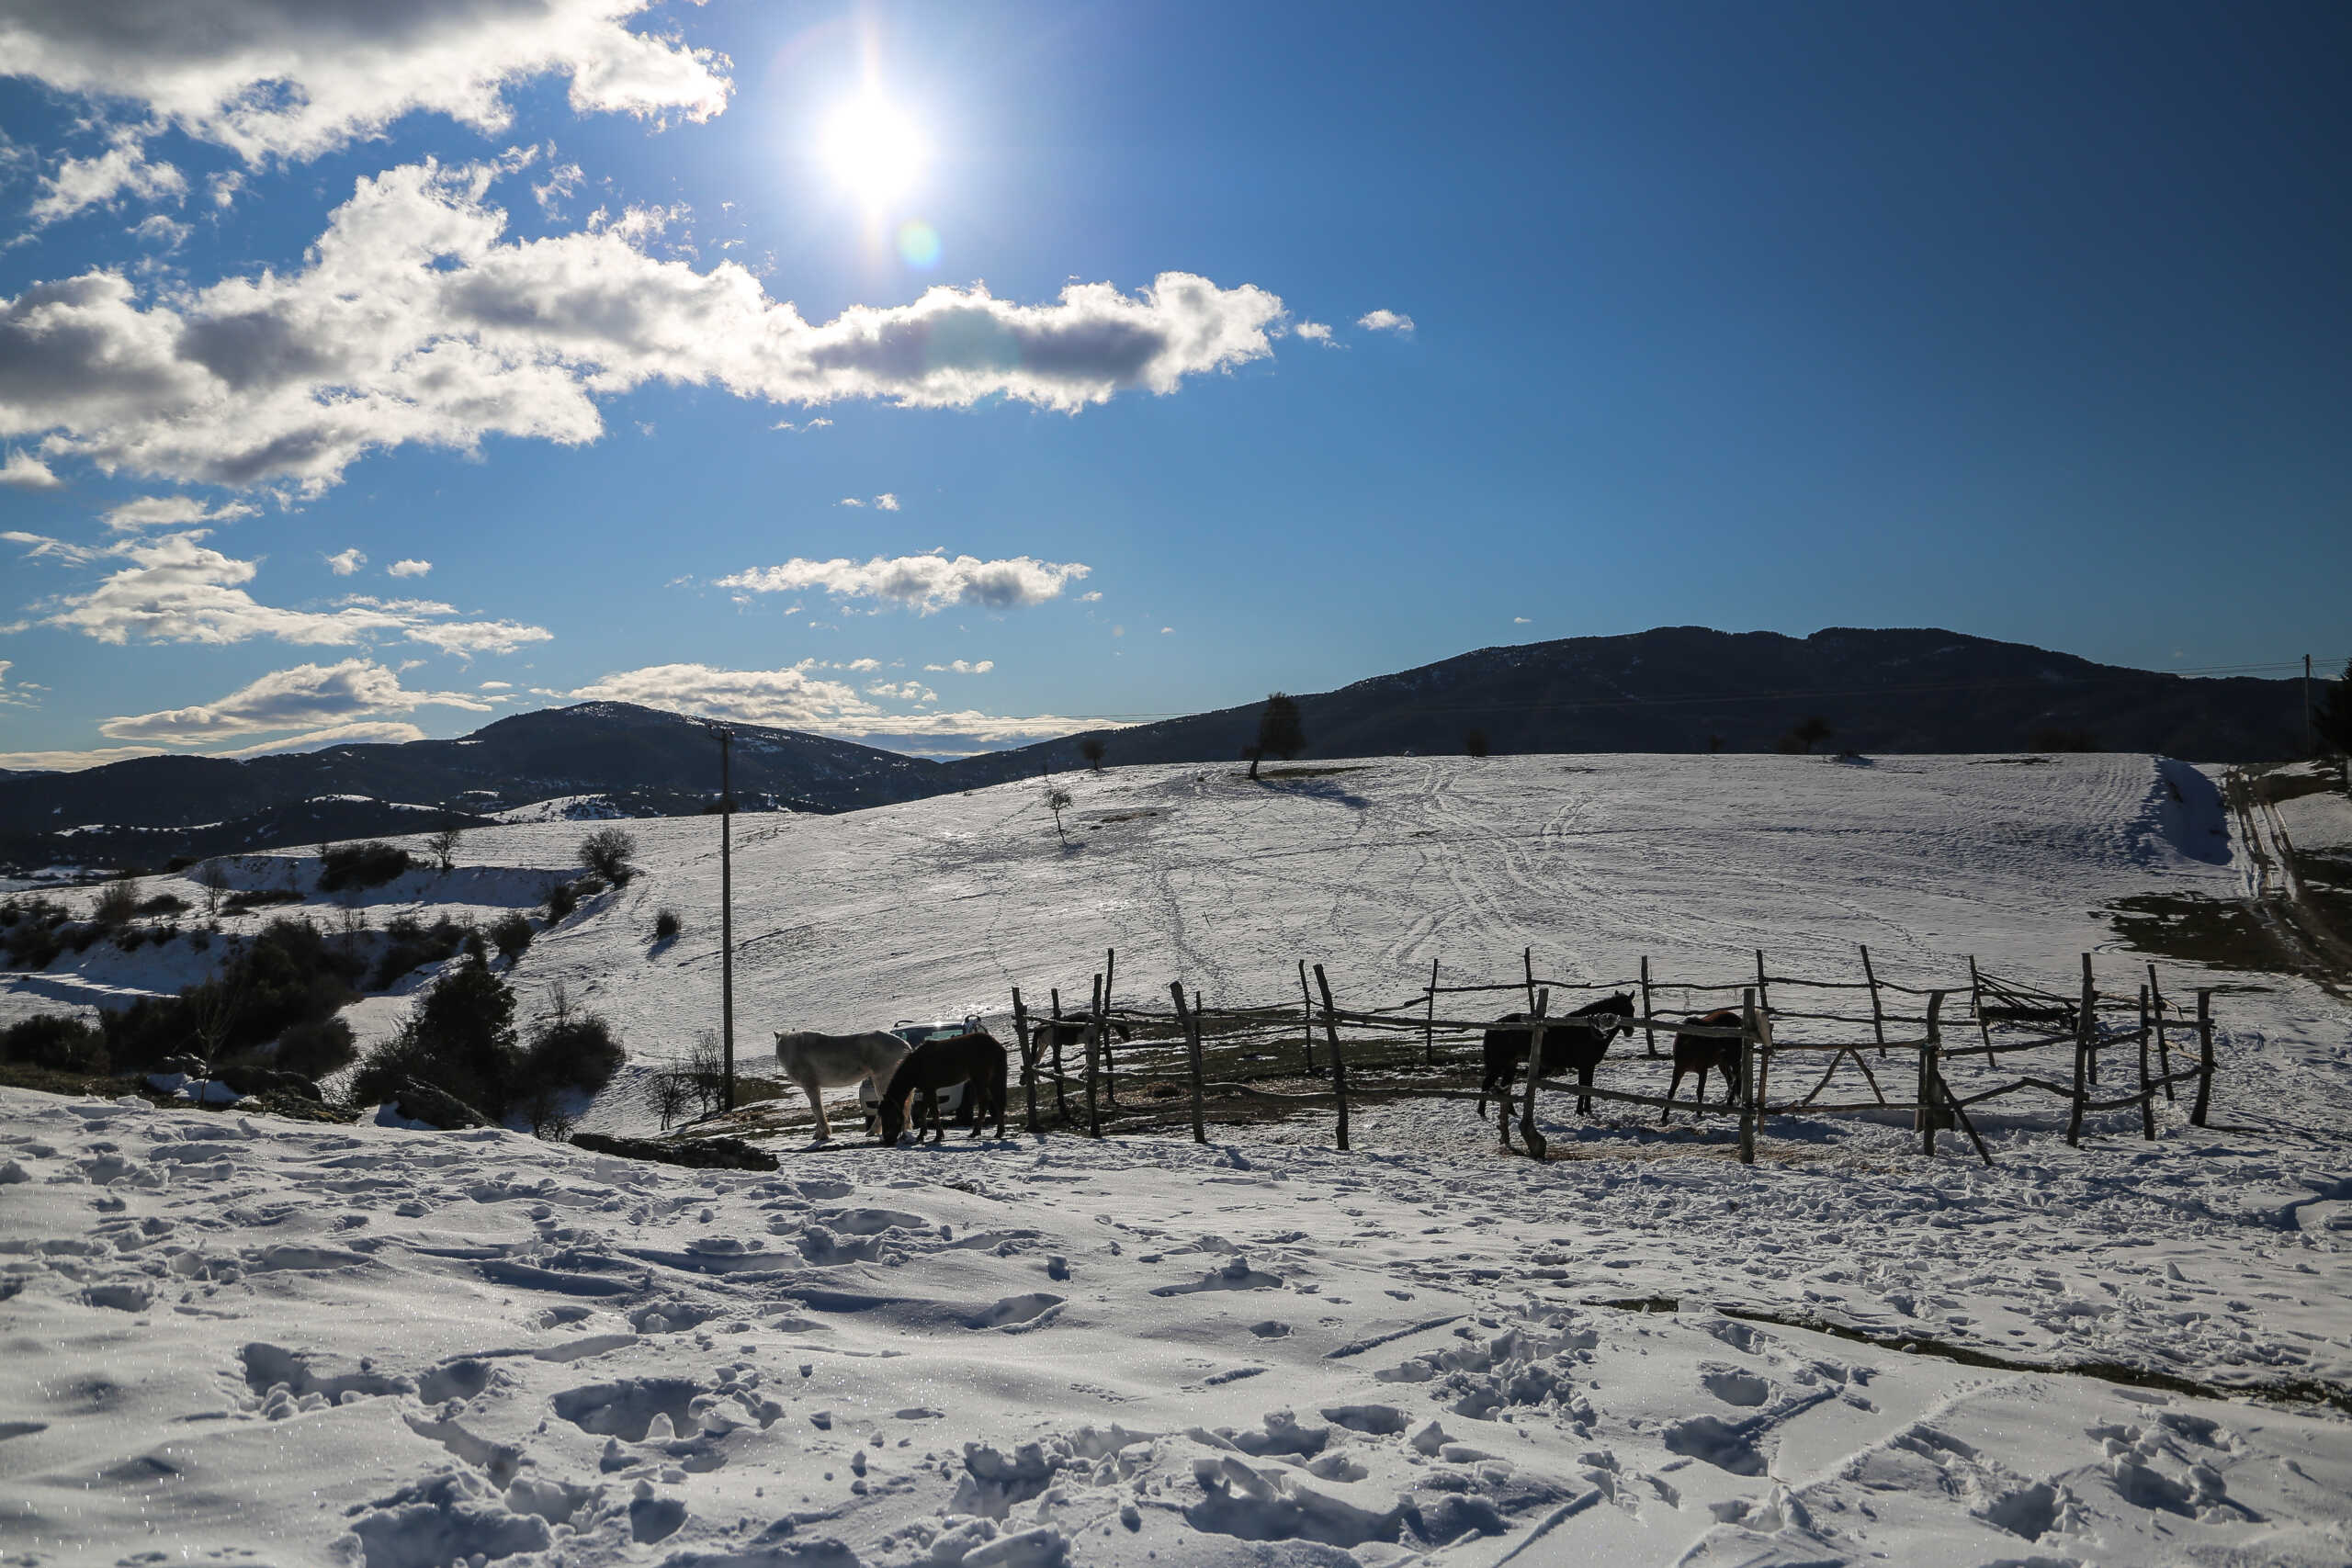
{"points": [[511, 935], [409, 942], [460, 1038]]}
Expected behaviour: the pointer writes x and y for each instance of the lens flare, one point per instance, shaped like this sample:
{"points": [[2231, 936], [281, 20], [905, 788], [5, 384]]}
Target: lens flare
{"points": [[919, 244]]}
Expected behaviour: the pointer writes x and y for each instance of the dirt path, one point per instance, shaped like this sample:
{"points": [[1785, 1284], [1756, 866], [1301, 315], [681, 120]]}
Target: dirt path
{"points": [[2276, 894]]}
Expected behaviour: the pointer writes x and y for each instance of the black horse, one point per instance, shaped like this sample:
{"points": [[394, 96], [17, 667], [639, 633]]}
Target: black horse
{"points": [[1697, 1052], [1567, 1043], [975, 1060], [1044, 1036]]}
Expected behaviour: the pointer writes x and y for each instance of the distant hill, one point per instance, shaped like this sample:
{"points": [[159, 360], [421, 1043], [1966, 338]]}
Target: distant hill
{"points": [[647, 762], [1689, 689], [1675, 689]]}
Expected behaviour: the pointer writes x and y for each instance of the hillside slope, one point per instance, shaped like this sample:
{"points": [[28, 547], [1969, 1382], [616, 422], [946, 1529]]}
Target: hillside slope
{"points": [[1692, 689]]}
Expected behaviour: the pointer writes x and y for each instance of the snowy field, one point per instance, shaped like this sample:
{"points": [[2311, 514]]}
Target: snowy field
{"points": [[240, 1340]]}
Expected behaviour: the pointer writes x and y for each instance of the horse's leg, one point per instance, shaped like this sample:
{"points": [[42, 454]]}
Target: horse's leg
{"points": [[817, 1104], [1667, 1114], [1584, 1081]]}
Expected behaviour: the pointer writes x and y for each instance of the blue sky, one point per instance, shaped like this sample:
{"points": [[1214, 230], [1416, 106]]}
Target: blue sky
{"points": [[2029, 322]]}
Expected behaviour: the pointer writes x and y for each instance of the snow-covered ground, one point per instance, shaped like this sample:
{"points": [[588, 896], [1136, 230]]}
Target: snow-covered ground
{"points": [[235, 1335]]}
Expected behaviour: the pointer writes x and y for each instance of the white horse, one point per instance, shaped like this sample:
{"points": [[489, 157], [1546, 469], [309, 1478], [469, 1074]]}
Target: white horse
{"points": [[819, 1062]]}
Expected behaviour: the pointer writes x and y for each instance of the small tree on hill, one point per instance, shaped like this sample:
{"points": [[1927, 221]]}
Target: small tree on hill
{"points": [[1808, 733], [443, 847], [1279, 734], [1475, 743], [213, 877], [1057, 801], [1092, 749], [608, 853]]}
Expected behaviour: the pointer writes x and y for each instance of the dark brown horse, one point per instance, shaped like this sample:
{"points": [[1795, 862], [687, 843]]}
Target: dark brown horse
{"points": [[1044, 1036], [974, 1060], [1567, 1043], [1697, 1052]]}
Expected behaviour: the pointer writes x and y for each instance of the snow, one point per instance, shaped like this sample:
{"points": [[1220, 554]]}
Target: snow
{"points": [[371, 1343]]}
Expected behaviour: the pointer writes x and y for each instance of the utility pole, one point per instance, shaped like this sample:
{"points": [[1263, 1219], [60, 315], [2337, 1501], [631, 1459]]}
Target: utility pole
{"points": [[727, 915], [2311, 746]]}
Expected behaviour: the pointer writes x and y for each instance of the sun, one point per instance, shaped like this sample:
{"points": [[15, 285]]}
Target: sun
{"points": [[872, 149]]}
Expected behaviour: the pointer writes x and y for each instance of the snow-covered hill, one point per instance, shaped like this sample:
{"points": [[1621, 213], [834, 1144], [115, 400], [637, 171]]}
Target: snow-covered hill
{"points": [[239, 1335]]}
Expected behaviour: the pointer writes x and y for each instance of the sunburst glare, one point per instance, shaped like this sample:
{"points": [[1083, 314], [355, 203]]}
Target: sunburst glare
{"points": [[872, 149]]}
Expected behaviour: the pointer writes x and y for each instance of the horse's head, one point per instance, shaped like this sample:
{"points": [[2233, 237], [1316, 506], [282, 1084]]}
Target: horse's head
{"points": [[1620, 1008], [890, 1119]]}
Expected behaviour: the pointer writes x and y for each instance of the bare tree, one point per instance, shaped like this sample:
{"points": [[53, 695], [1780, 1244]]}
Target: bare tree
{"points": [[1809, 732], [1475, 743], [1092, 749], [668, 1094], [607, 851], [213, 877], [1057, 801], [443, 846]]}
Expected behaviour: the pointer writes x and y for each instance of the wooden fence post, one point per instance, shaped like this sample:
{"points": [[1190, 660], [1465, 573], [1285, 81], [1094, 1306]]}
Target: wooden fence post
{"points": [[2204, 1055], [1191, 1024], [1929, 1071], [1948, 1110], [1527, 960], [1649, 1036], [1977, 1006], [2163, 1046], [1748, 1025], [1094, 1060], [1110, 1067], [2147, 1095], [1061, 1094], [1028, 1055], [1878, 1013], [1528, 1137], [1339, 1057], [1429, 1026], [1306, 1018], [2090, 1016], [2086, 1021]]}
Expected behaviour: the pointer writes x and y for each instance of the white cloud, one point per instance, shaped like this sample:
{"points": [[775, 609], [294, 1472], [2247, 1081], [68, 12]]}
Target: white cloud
{"points": [[386, 733], [172, 512], [38, 546], [902, 691], [861, 664], [561, 181], [1384, 322], [413, 322], [925, 583], [176, 589], [26, 471], [19, 695], [1313, 331], [887, 501], [268, 78], [849, 501], [498, 685], [304, 697], [1094, 596], [343, 563], [961, 667], [123, 169], [410, 568], [791, 699], [158, 230], [1166, 631], [74, 762], [1521, 621]]}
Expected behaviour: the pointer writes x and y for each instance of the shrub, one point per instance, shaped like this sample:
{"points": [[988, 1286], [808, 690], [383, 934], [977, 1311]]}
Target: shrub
{"points": [[1092, 749], [562, 898], [1475, 743], [666, 926], [116, 905], [511, 934], [163, 904], [369, 863], [607, 851], [179, 863], [315, 1047], [57, 1040], [459, 1038], [290, 974], [443, 847], [567, 1050], [409, 945], [1808, 733]]}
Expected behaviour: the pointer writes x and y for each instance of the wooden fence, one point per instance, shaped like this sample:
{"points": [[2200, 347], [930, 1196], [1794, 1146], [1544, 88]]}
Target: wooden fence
{"points": [[1903, 1022]]}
